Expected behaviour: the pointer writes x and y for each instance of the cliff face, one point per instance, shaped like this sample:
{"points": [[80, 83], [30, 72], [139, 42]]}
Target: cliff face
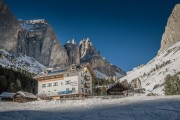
{"points": [[73, 53], [34, 38], [172, 31], [9, 28], [37, 39]]}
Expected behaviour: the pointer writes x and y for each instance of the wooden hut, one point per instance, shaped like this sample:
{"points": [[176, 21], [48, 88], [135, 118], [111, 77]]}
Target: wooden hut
{"points": [[116, 89], [7, 96], [22, 96]]}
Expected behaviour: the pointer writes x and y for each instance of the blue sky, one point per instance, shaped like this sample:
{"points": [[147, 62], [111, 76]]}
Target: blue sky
{"points": [[127, 32]]}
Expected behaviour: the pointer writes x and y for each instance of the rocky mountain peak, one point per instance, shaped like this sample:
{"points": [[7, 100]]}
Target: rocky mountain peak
{"points": [[34, 25], [172, 30], [86, 42], [73, 41], [68, 41], [87, 48]]}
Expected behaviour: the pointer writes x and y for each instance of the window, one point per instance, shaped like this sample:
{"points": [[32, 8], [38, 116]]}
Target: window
{"points": [[55, 84], [73, 89], [89, 92], [67, 89], [67, 82], [49, 85], [43, 85], [62, 83], [86, 91], [82, 90]]}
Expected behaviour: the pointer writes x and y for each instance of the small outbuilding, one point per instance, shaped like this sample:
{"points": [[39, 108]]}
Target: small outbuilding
{"points": [[7, 96], [23, 96], [116, 89]]}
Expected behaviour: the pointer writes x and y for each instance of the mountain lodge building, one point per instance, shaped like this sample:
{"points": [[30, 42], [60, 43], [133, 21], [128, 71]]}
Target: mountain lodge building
{"points": [[57, 83]]}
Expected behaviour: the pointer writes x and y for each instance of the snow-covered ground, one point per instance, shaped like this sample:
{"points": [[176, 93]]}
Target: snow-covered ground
{"points": [[130, 108], [20, 61], [100, 75], [154, 72]]}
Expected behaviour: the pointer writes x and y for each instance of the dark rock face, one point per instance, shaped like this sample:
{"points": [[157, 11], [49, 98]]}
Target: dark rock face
{"points": [[73, 53], [37, 39], [9, 28], [102, 65]]}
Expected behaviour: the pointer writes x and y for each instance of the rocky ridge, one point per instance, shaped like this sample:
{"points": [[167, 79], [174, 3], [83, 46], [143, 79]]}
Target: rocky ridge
{"points": [[87, 53]]}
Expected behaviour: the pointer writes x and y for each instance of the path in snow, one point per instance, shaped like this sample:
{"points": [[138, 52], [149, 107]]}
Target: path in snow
{"points": [[131, 108]]}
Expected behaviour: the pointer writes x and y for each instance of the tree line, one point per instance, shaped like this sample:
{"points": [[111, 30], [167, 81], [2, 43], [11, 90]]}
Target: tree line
{"points": [[15, 80]]}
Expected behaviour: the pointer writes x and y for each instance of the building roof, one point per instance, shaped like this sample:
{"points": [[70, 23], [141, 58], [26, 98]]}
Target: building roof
{"points": [[57, 71], [113, 85], [7, 95], [26, 94]]}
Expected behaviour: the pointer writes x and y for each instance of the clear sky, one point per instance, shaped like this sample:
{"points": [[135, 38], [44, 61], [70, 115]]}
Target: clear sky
{"points": [[127, 32]]}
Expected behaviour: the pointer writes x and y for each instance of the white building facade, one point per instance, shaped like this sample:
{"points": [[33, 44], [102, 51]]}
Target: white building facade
{"points": [[74, 80]]}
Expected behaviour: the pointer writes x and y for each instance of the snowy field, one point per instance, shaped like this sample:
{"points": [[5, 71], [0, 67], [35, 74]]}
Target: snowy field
{"points": [[130, 108]]}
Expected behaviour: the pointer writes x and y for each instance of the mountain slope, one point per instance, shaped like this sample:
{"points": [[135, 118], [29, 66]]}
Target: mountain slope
{"points": [[152, 74], [21, 61]]}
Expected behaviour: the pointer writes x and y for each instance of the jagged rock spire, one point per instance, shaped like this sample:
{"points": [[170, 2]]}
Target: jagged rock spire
{"points": [[68, 41], [73, 41]]}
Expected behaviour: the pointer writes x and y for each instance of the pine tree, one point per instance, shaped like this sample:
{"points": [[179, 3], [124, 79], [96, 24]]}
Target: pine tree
{"points": [[3, 83], [172, 85]]}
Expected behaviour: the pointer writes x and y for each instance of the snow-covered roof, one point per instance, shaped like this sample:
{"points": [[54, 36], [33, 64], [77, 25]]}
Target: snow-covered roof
{"points": [[26, 94], [112, 85], [76, 69], [7, 95]]}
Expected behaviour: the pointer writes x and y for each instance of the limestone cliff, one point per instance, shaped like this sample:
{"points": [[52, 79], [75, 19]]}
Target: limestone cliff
{"points": [[172, 30], [37, 39], [9, 28], [73, 52]]}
